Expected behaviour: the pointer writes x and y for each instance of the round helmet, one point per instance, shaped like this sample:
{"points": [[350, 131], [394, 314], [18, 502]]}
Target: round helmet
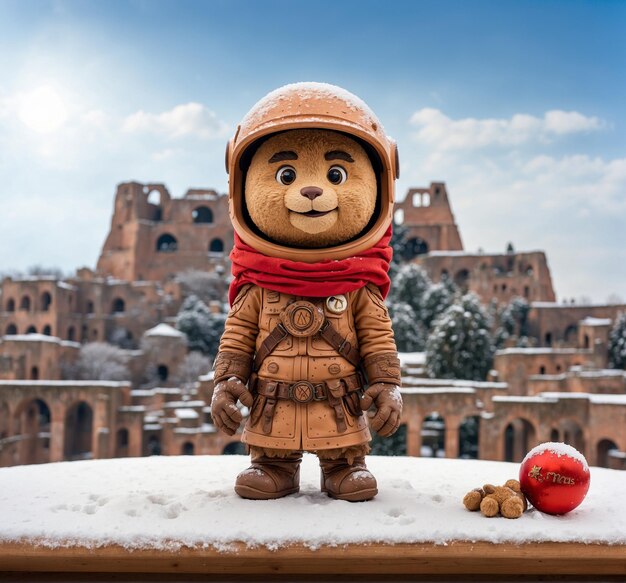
{"points": [[314, 106]]}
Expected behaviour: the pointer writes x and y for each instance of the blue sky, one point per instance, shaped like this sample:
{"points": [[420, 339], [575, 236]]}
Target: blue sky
{"points": [[518, 106]]}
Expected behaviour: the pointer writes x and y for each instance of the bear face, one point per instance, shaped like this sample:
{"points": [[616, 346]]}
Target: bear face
{"points": [[310, 188]]}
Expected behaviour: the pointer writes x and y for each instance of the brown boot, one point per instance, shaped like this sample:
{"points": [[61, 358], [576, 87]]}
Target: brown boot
{"points": [[353, 482], [270, 477]]}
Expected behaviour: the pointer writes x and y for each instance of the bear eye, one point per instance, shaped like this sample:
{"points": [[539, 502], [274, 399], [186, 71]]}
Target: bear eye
{"points": [[286, 175], [337, 175]]}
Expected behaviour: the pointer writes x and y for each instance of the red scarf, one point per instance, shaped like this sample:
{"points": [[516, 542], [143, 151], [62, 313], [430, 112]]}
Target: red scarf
{"points": [[318, 280]]}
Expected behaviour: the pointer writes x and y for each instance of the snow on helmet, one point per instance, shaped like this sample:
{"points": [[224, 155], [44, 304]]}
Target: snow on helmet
{"points": [[313, 106]]}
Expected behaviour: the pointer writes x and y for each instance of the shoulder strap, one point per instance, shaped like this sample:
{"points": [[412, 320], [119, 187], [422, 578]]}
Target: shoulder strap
{"points": [[273, 339], [339, 343]]}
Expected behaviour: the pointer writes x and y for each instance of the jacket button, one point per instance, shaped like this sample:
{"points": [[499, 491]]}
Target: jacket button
{"points": [[334, 369], [272, 367]]}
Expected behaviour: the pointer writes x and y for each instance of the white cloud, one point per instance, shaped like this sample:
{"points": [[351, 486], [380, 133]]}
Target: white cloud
{"points": [[186, 120], [439, 131]]}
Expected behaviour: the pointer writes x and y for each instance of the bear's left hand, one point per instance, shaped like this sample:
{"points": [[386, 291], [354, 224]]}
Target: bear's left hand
{"points": [[388, 403]]}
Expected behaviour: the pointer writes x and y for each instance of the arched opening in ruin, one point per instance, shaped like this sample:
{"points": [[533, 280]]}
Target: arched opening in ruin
{"points": [[163, 372], [444, 275], [586, 342], [461, 278], [571, 334], [121, 443], [11, 329], [398, 217], [71, 333], [558, 368], [79, 432], [34, 373], [548, 339], [519, 437], [84, 333], [234, 448], [10, 307], [154, 445], [417, 199], [154, 203], [433, 436], [46, 300], [31, 425], [202, 214], [89, 307], [554, 435], [572, 434], [603, 450], [216, 246], [188, 448], [31, 330], [526, 292], [25, 303], [118, 306], [47, 330], [542, 369], [426, 199], [468, 437], [414, 247], [166, 243]]}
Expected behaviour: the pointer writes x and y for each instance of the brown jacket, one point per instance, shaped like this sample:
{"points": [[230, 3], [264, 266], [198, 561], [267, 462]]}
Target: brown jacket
{"points": [[364, 322]]}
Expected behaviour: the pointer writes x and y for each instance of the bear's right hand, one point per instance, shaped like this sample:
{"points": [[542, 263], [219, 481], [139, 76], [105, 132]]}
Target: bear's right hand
{"points": [[224, 411]]}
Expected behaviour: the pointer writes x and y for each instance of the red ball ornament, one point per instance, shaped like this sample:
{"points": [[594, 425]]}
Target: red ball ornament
{"points": [[554, 477]]}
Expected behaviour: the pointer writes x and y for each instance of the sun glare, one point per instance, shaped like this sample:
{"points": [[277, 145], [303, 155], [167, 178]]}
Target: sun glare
{"points": [[43, 109]]}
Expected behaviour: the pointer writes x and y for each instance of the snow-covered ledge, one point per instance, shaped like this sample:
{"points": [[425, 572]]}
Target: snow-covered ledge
{"points": [[180, 514]]}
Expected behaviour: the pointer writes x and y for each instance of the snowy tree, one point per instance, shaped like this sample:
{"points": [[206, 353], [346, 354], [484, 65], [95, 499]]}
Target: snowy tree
{"points": [[460, 345], [437, 300], [99, 361], [408, 331], [202, 327], [617, 343], [194, 365], [410, 285], [205, 285], [513, 322], [398, 244]]}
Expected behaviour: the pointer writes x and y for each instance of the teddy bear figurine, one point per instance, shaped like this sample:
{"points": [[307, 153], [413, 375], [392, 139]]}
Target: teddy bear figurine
{"points": [[508, 500], [308, 345]]}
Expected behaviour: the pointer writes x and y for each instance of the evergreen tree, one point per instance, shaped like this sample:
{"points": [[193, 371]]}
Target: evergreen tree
{"points": [[438, 298], [408, 331], [459, 345], [617, 343], [393, 445], [513, 321], [202, 327], [410, 285]]}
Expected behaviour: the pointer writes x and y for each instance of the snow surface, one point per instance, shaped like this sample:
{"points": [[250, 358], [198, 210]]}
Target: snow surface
{"points": [[169, 502], [164, 330], [590, 321], [411, 358]]}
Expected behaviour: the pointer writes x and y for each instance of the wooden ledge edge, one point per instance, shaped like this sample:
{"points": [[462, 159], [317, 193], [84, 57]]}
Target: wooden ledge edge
{"points": [[459, 557]]}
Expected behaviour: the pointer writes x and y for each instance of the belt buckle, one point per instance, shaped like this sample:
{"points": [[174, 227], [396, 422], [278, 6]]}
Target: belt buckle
{"points": [[302, 392]]}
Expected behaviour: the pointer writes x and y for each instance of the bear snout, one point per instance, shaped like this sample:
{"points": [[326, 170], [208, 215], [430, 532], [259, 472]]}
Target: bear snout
{"points": [[311, 192]]}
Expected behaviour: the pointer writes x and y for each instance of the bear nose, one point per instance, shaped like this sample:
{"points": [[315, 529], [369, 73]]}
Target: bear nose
{"points": [[311, 192]]}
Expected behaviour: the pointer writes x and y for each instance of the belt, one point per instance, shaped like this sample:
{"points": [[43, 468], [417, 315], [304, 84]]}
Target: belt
{"points": [[305, 391]]}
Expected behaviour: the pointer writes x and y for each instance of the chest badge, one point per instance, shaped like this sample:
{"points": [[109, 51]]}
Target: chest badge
{"points": [[337, 304], [302, 318]]}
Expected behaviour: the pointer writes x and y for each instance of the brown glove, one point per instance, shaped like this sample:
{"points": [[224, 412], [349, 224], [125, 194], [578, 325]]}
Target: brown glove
{"points": [[389, 407], [224, 411]]}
